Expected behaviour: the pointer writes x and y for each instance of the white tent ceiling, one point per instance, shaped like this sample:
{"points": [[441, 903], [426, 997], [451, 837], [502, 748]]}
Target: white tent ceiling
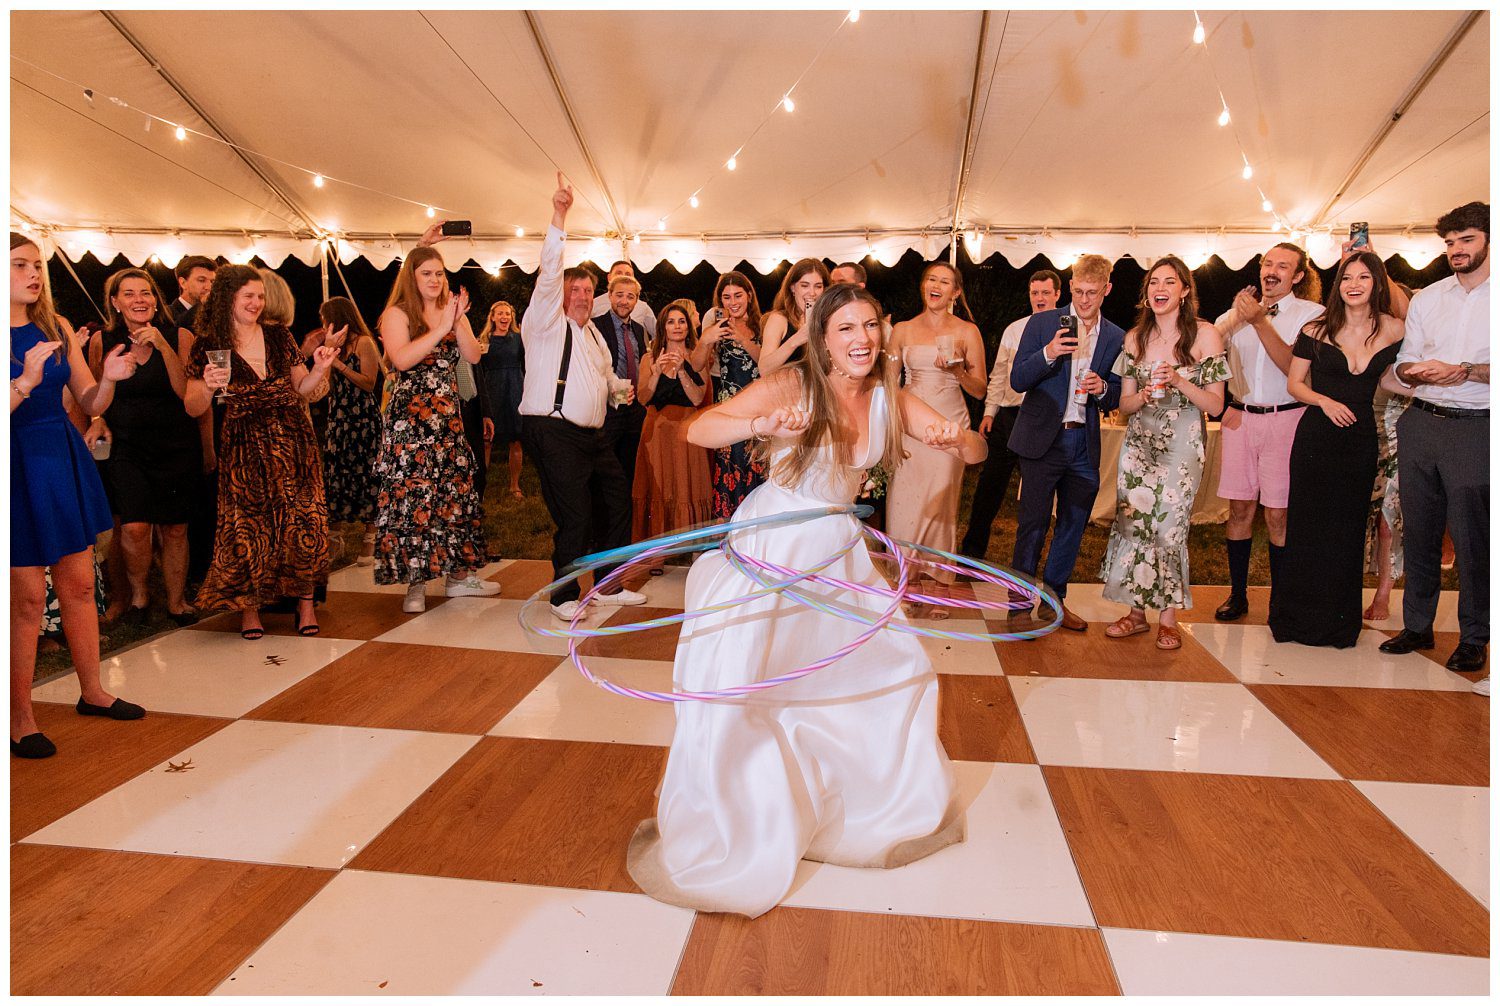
{"points": [[1092, 131]]}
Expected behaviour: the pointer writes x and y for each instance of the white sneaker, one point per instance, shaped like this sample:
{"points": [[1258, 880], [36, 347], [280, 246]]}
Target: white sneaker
{"points": [[1482, 686], [566, 610], [416, 599], [620, 597], [471, 586]]}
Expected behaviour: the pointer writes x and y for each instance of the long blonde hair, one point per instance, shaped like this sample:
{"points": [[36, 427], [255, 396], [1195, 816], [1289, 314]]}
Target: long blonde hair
{"points": [[41, 313], [406, 298], [489, 323], [281, 306], [817, 391]]}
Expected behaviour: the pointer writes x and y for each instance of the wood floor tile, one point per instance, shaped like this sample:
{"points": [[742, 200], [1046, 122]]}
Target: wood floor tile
{"points": [[1439, 654], [1387, 734], [800, 951], [552, 813], [345, 615], [94, 755], [1092, 654], [1258, 857], [649, 644], [92, 922], [1207, 598], [522, 578], [978, 719], [407, 686]]}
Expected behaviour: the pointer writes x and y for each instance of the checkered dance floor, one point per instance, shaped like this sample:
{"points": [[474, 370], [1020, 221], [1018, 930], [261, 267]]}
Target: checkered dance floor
{"points": [[436, 803]]}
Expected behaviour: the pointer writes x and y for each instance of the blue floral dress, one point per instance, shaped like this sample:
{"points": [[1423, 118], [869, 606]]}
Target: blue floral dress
{"points": [[736, 470]]}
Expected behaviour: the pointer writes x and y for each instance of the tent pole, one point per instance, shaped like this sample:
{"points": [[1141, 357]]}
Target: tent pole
{"points": [[1402, 107], [963, 157], [562, 97], [323, 266], [276, 189]]}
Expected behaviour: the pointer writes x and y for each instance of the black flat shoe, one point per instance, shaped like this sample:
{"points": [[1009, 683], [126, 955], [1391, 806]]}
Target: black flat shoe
{"points": [[1407, 642], [119, 710], [33, 746], [1237, 606], [135, 616], [1468, 657], [183, 618]]}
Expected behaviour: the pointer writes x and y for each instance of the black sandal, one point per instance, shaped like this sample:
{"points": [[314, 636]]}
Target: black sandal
{"points": [[311, 628], [255, 633]]}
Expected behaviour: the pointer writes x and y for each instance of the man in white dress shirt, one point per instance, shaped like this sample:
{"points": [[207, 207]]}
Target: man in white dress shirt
{"points": [[1261, 420], [1443, 443], [1001, 406], [563, 400], [641, 314]]}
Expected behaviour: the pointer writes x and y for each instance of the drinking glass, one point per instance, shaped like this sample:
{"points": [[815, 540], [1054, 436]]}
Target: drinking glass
{"points": [[220, 358]]}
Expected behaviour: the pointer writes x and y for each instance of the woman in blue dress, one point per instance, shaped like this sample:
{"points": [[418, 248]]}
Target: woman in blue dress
{"points": [[57, 503], [504, 364]]}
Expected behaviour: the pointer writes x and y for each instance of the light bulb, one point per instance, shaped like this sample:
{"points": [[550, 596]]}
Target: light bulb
{"points": [[1265, 204], [853, 16], [1276, 226], [1198, 33], [788, 104], [181, 133], [693, 200], [732, 163], [661, 224], [520, 233], [1247, 173], [317, 181], [1224, 116], [431, 213]]}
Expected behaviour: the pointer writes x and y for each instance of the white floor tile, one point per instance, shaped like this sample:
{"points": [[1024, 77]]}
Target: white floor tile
{"points": [[1086, 600], [1166, 964], [1251, 654], [484, 623], [368, 934], [957, 656], [1449, 823], [1445, 621], [206, 673], [666, 591], [303, 795], [1160, 726], [1014, 865], [361, 579], [565, 706]]}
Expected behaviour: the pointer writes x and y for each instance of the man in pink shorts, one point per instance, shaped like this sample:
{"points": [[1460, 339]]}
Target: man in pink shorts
{"points": [[1262, 417]]}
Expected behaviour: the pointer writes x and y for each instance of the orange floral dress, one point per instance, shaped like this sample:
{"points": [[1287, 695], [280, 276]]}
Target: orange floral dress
{"points": [[428, 518], [272, 535]]}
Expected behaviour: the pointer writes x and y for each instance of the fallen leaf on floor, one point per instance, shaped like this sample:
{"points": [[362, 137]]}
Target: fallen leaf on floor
{"points": [[275, 660], [535, 984], [185, 766], [580, 914], [383, 984]]}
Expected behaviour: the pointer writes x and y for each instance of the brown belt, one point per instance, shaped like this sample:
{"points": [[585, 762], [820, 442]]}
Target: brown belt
{"points": [[1074, 426]]}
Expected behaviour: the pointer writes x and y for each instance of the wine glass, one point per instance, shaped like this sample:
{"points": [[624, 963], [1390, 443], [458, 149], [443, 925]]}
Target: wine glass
{"points": [[220, 358]]}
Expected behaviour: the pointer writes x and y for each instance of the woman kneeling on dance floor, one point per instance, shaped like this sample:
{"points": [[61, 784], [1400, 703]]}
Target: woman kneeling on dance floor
{"points": [[844, 765]]}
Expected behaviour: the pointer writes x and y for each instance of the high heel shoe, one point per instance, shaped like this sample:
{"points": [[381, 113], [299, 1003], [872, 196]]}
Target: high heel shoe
{"points": [[311, 628]]}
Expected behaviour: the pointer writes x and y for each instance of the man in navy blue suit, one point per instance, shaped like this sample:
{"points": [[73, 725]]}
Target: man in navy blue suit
{"points": [[1064, 370]]}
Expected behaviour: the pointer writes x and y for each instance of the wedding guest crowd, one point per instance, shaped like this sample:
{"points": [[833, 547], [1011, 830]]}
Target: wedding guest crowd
{"points": [[1358, 427]]}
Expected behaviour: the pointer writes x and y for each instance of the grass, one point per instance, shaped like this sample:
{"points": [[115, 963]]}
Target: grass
{"points": [[521, 529]]}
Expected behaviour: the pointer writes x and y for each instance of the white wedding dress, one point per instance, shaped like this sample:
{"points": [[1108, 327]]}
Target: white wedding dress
{"points": [[843, 766]]}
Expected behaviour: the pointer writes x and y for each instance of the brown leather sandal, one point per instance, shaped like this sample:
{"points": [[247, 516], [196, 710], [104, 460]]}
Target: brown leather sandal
{"points": [[1167, 638], [1126, 625]]}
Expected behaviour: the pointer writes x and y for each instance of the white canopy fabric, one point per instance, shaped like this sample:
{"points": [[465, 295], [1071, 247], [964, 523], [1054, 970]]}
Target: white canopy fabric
{"points": [[1089, 131]]}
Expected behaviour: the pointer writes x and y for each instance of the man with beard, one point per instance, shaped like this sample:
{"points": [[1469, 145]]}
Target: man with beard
{"points": [[1443, 443], [1261, 420]]}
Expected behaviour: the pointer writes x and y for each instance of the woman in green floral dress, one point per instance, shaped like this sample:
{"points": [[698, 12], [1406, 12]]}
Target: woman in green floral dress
{"points": [[1172, 371]]}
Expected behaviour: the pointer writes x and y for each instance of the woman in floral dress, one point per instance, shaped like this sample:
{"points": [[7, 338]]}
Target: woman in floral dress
{"points": [[1172, 372], [352, 440], [732, 341], [428, 522]]}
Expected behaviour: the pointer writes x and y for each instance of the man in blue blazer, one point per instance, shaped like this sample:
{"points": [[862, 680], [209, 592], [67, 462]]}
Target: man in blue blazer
{"points": [[1066, 377]]}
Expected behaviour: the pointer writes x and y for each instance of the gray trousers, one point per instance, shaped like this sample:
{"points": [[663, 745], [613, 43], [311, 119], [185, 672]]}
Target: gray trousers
{"points": [[1445, 482]]}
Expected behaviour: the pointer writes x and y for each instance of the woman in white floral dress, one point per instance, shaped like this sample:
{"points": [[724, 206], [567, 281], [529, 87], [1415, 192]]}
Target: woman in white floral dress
{"points": [[1172, 372]]}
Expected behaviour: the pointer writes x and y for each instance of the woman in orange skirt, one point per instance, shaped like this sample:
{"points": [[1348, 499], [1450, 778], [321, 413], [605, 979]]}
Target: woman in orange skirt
{"points": [[672, 487]]}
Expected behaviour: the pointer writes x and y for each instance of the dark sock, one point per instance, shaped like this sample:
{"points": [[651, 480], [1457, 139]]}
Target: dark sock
{"points": [[1239, 565], [1276, 553]]}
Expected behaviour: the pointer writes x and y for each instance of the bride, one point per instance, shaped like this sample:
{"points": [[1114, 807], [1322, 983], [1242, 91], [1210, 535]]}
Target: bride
{"points": [[843, 766]]}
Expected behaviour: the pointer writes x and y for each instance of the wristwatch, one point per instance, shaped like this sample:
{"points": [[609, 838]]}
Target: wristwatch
{"points": [[1468, 369]]}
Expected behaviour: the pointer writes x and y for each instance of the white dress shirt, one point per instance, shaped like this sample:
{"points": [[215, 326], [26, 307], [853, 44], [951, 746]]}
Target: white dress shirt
{"points": [[641, 313], [1446, 322], [999, 394], [1254, 378], [543, 330]]}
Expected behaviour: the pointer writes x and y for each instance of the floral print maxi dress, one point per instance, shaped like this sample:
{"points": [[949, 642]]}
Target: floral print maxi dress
{"points": [[352, 443], [428, 520], [736, 470], [1161, 466]]}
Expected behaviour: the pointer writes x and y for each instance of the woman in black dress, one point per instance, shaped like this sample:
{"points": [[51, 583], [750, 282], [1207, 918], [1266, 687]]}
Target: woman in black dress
{"points": [[504, 365], [1336, 367], [155, 454]]}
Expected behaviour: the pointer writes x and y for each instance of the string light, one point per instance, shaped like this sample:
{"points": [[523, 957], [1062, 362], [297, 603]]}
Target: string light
{"points": [[431, 213], [661, 224], [788, 104], [1265, 204], [1199, 35], [1248, 171], [853, 16], [317, 181], [733, 162], [181, 133], [1224, 116], [693, 200]]}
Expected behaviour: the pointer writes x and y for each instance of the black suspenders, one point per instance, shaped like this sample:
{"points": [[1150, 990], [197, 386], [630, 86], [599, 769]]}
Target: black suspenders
{"points": [[562, 370]]}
